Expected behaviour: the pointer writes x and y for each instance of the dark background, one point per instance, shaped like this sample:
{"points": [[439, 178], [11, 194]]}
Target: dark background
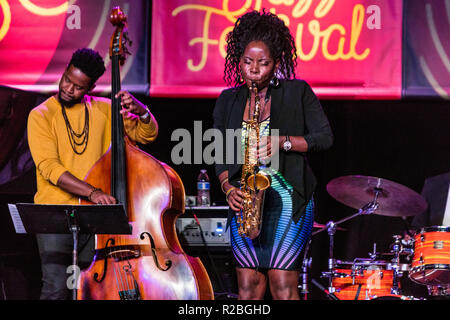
{"points": [[404, 141]]}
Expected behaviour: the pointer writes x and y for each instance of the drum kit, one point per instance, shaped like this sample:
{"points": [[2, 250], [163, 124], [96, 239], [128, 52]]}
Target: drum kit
{"points": [[378, 277]]}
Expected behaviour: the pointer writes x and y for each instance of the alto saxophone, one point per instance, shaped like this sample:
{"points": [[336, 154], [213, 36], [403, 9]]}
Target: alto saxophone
{"points": [[253, 182]]}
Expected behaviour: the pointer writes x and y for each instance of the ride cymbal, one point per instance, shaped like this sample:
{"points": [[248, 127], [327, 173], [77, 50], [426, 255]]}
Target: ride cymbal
{"points": [[394, 199]]}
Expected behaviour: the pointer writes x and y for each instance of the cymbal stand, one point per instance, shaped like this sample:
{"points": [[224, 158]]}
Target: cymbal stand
{"points": [[396, 249], [331, 228], [306, 264]]}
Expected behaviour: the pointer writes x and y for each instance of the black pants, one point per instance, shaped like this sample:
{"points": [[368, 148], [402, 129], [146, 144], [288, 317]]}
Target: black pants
{"points": [[56, 256]]}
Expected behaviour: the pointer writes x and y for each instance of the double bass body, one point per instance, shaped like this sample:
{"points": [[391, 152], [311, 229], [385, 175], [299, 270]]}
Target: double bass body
{"points": [[149, 263]]}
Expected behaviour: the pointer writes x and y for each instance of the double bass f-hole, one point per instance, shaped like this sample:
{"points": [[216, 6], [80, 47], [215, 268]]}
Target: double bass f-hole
{"points": [[126, 253], [168, 263], [105, 265]]}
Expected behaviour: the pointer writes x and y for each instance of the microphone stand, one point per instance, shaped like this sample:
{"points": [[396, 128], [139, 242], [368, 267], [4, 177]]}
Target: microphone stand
{"points": [[75, 229]]}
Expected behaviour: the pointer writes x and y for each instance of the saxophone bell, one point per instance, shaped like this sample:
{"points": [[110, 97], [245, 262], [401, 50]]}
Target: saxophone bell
{"points": [[258, 181]]}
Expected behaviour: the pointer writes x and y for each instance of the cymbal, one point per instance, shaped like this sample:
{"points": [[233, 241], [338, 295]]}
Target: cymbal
{"points": [[321, 226], [394, 199]]}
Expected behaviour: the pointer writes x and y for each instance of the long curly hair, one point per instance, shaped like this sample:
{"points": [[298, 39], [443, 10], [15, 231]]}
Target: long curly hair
{"points": [[266, 27]]}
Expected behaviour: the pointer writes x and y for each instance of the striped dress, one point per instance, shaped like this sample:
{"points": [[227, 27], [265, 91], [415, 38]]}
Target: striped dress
{"points": [[281, 239]]}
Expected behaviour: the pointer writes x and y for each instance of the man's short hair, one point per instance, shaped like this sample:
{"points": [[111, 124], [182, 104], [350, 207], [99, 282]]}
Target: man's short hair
{"points": [[89, 62]]}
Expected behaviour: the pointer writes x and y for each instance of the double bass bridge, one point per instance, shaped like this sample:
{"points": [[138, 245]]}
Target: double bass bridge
{"points": [[124, 253]]}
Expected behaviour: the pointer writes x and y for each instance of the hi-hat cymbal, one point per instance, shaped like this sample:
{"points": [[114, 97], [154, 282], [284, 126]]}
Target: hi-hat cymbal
{"points": [[321, 226], [394, 199]]}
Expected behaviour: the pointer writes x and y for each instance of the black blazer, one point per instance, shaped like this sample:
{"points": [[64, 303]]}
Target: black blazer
{"points": [[295, 111], [435, 192]]}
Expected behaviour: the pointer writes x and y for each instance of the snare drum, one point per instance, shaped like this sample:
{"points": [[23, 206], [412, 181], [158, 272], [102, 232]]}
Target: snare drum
{"points": [[431, 262], [364, 280]]}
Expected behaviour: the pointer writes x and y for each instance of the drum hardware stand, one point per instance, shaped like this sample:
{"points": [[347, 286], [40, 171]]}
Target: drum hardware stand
{"points": [[396, 249], [306, 264], [331, 229], [373, 254], [330, 295]]}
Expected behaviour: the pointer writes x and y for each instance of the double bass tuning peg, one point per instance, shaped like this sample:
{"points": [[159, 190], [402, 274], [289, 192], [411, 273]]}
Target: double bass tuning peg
{"points": [[126, 39]]}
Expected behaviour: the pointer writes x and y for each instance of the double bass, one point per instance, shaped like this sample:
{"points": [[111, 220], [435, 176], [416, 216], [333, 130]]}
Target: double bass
{"points": [[149, 263]]}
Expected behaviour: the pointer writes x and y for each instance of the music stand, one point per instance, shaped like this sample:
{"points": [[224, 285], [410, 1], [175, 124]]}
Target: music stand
{"points": [[70, 219]]}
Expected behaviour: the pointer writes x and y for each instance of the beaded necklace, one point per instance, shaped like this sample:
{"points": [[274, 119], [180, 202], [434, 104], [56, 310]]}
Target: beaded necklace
{"points": [[74, 138]]}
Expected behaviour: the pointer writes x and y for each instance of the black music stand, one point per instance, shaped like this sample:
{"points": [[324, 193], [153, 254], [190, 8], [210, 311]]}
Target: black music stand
{"points": [[70, 219]]}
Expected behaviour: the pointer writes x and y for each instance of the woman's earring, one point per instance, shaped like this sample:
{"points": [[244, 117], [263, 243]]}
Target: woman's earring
{"points": [[241, 79], [274, 82]]}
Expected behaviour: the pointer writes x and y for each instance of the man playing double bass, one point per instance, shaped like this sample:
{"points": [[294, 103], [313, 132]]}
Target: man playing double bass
{"points": [[67, 134]]}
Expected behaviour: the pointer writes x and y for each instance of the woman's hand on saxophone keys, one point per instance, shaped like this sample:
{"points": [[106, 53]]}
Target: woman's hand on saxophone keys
{"points": [[265, 149], [233, 195], [234, 198]]}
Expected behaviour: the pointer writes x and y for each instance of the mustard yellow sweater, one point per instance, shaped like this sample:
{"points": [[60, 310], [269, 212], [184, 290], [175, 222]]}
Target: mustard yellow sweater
{"points": [[51, 150]]}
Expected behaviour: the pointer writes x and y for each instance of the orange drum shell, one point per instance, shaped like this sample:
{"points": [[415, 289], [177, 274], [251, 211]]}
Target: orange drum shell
{"points": [[431, 248], [431, 261], [373, 283]]}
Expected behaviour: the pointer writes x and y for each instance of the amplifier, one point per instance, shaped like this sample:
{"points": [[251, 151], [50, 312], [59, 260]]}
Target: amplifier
{"points": [[213, 221]]}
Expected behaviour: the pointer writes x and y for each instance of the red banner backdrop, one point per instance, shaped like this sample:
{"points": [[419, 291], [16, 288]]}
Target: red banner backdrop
{"points": [[346, 49], [37, 39]]}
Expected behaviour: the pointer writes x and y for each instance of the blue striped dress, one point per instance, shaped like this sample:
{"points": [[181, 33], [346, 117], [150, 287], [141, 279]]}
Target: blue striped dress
{"points": [[281, 239]]}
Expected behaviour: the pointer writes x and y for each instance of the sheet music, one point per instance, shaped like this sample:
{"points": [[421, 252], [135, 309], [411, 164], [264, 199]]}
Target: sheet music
{"points": [[17, 221]]}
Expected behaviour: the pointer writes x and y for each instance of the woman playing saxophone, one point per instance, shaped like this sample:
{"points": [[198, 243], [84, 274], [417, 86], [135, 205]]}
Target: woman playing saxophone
{"points": [[289, 123]]}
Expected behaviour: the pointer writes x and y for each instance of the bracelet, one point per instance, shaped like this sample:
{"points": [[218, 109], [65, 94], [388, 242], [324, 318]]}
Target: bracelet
{"points": [[94, 190], [229, 191], [145, 115], [222, 183]]}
